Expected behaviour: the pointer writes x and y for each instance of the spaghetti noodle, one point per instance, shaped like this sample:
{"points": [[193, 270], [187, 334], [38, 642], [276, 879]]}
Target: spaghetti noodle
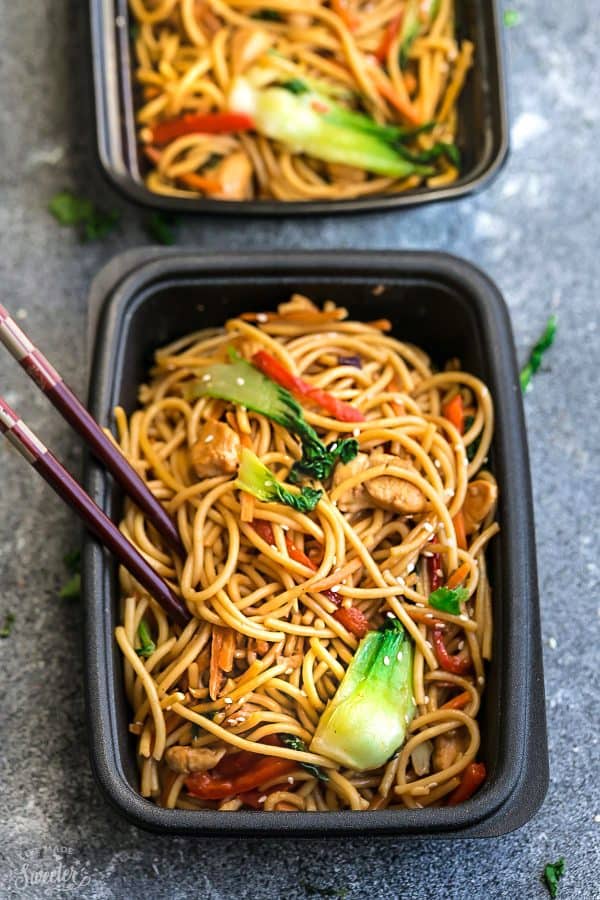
{"points": [[226, 709], [285, 100]]}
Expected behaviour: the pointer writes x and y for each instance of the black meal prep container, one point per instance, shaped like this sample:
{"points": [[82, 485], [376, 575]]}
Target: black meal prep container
{"points": [[482, 138], [147, 298]]}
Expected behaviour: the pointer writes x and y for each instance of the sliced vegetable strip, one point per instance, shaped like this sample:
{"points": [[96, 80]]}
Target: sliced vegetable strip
{"points": [[208, 123], [272, 368], [472, 778]]}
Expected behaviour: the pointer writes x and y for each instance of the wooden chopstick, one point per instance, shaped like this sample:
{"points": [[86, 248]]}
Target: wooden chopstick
{"points": [[38, 455], [62, 397]]}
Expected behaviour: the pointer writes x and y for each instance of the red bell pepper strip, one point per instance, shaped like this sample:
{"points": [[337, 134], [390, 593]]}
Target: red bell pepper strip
{"points": [[275, 370], [206, 123], [264, 530], [390, 35], [434, 568], [458, 664], [472, 778], [301, 557], [455, 413], [353, 620], [457, 702], [210, 786]]}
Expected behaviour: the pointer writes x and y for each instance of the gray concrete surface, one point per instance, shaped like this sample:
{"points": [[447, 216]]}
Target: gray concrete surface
{"points": [[536, 232]]}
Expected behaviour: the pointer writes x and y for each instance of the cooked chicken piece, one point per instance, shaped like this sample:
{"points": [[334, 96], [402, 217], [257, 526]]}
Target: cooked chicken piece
{"points": [[247, 45], [346, 173], [481, 497], [355, 498], [446, 748], [395, 494], [216, 451], [234, 176], [186, 760]]}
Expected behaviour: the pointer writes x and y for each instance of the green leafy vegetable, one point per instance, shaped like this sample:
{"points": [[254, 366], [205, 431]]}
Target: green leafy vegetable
{"points": [[160, 228], [440, 148], [258, 480], [511, 18], [147, 645], [295, 743], [553, 872], [70, 210], [366, 721], [448, 599], [535, 358], [312, 123], [242, 383], [9, 620]]}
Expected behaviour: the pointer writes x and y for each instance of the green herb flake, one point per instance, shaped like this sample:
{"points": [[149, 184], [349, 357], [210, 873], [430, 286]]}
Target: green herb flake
{"points": [[268, 15], [72, 561], [511, 18], [72, 589], [553, 872], [293, 742], [147, 645], [78, 212], [295, 86], [473, 447], [160, 227], [535, 358], [9, 620], [448, 600]]}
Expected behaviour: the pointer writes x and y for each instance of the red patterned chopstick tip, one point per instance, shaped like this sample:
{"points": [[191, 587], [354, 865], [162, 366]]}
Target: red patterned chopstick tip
{"points": [[19, 435], [20, 347]]}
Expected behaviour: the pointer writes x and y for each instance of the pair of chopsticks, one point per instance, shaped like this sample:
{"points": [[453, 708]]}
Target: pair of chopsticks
{"points": [[68, 489]]}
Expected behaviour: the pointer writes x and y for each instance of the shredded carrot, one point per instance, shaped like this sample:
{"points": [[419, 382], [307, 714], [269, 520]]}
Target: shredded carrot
{"points": [[227, 650], [459, 575], [457, 702], [404, 107], [200, 182], [215, 673], [298, 555], [454, 412], [389, 36], [397, 407], [381, 325], [340, 8], [459, 526], [295, 315]]}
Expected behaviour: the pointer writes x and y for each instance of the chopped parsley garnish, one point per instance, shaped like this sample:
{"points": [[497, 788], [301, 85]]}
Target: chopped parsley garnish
{"points": [[553, 872], [535, 358], [9, 620], [78, 212], [72, 589], [448, 600], [160, 228], [147, 645], [511, 18]]}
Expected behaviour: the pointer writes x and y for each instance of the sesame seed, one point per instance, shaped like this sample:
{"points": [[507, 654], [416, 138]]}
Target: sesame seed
{"points": [[268, 483], [399, 656], [335, 588], [480, 679], [333, 446], [386, 660], [463, 617], [288, 671], [461, 644], [429, 615], [262, 799], [428, 526], [400, 580], [209, 438], [427, 554], [206, 377], [390, 615], [437, 464], [356, 432], [290, 780], [439, 573], [422, 605], [425, 699], [227, 700], [262, 317], [429, 644], [240, 381], [410, 567], [458, 447]]}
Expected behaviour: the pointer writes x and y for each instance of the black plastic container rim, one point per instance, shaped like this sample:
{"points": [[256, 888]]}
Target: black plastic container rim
{"points": [[505, 804], [109, 82]]}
